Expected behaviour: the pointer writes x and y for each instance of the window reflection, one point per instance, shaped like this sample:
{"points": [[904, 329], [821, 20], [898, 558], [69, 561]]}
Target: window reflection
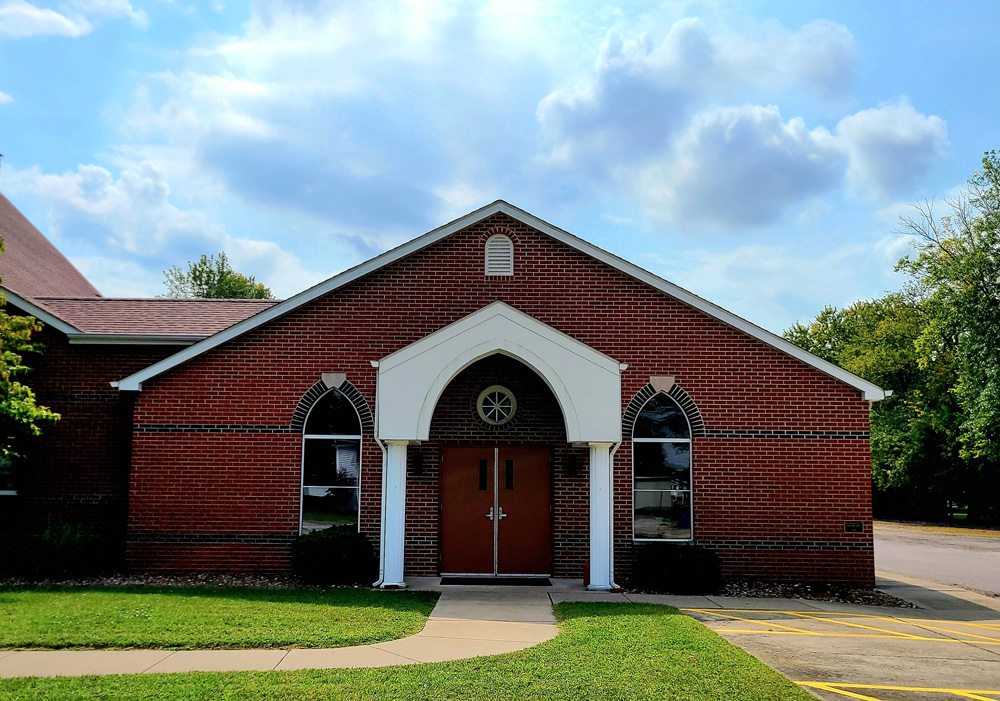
{"points": [[661, 472], [331, 464]]}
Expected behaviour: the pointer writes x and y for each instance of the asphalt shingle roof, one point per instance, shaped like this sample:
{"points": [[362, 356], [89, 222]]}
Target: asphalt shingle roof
{"points": [[161, 316], [30, 265]]}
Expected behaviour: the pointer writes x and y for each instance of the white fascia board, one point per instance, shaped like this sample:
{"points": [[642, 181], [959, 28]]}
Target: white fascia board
{"points": [[133, 383], [869, 390], [40, 313], [125, 339]]}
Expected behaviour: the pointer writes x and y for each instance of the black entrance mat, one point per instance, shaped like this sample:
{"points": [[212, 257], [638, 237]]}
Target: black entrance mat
{"points": [[499, 581]]}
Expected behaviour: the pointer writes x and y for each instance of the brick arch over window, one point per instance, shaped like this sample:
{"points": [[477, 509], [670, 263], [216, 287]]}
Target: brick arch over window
{"points": [[675, 392], [313, 394]]}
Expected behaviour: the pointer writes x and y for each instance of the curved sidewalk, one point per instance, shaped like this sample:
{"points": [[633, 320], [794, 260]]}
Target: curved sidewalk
{"points": [[463, 624]]}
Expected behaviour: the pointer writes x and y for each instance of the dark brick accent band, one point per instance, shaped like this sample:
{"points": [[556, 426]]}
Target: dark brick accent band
{"points": [[825, 545], [683, 400], [53, 499], [211, 538], [210, 428], [813, 435], [83, 398], [313, 394]]}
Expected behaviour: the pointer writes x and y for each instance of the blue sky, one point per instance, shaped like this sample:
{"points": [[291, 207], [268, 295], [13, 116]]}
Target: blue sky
{"points": [[758, 154]]}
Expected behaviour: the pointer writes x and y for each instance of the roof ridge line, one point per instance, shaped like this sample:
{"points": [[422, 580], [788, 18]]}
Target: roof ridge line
{"points": [[869, 390]]}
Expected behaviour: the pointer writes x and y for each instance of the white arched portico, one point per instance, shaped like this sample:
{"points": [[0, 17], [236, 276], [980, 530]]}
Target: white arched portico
{"points": [[585, 382]]}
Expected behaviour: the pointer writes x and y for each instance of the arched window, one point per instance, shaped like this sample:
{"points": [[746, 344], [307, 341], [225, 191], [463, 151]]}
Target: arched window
{"points": [[661, 472], [499, 255], [331, 463]]}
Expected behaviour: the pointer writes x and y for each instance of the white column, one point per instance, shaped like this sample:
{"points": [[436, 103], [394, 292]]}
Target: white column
{"points": [[600, 517], [393, 515]]}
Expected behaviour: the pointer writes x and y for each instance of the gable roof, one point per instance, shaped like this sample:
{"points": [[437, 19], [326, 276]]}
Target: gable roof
{"points": [[140, 321], [30, 265], [134, 382], [155, 317]]}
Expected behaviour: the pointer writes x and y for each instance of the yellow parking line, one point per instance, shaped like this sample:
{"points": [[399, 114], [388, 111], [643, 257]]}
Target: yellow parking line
{"points": [[796, 631], [855, 625], [960, 623], [825, 617], [968, 693], [827, 687], [956, 632], [762, 623]]}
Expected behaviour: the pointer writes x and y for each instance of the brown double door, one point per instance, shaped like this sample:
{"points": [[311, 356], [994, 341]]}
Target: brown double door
{"points": [[496, 516]]}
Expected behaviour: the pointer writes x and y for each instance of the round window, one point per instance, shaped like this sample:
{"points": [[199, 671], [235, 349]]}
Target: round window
{"points": [[496, 405]]}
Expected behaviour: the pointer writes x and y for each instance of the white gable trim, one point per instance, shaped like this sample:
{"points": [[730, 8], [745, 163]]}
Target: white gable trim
{"points": [[40, 313], [868, 390], [585, 382]]}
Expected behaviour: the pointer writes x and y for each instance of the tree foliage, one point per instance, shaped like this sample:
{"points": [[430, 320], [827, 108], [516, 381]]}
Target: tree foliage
{"points": [[21, 417], [936, 344], [213, 277]]}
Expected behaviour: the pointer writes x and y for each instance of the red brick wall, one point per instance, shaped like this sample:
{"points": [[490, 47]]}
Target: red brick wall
{"points": [[77, 471], [778, 492]]}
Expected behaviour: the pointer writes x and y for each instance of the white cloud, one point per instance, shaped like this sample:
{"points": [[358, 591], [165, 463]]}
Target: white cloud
{"points": [[371, 118], [819, 57], [20, 19], [891, 148], [5, 99], [741, 166], [124, 232], [100, 10], [636, 98], [640, 93], [770, 285]]}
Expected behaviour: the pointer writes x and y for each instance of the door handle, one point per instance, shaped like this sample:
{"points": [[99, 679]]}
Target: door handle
{"points": [[501, 515], [490, 514]]}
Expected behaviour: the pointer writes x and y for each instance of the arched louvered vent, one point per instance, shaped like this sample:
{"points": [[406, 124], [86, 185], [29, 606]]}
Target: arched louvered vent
{"points": [[499, 255]]}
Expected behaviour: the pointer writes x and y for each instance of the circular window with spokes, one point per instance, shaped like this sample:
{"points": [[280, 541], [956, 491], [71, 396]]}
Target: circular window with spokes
{"points": [[496, 405]]}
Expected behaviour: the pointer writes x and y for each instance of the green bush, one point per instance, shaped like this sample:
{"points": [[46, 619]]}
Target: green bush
{"points": [[675, 568], [61, 551], [335, 555]]}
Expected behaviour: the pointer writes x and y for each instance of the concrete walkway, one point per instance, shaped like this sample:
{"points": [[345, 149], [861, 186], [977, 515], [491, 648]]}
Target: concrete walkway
{"points": [[491, 620], [465, 623]]}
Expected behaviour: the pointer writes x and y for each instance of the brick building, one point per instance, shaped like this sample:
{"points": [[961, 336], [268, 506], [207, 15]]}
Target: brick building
{"points": [[495, 397]]}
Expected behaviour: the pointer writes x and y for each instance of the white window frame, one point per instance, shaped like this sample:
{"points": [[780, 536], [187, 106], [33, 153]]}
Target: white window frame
{"points": [[332, 437], [689, 490], [507, 272]]}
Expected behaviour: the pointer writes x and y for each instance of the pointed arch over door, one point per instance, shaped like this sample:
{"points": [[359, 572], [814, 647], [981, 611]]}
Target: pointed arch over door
{"points": [[586, 383]]}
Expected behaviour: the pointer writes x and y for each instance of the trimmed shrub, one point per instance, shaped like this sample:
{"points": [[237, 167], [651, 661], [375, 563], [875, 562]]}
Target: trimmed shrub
{"points": [[335, 555], [61, 551], [675, 568]]}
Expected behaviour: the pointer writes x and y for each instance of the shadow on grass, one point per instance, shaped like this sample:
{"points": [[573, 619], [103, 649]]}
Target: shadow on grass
{"points": [[337, 597]]}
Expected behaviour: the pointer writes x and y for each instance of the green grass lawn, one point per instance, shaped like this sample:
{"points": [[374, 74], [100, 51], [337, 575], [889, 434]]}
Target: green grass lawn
{"points": [[604, 651], [207, 617]]}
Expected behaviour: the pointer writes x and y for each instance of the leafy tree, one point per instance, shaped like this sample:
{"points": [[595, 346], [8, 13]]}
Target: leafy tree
{"points": [[213, 277], [20, 415], [914, 452], [957, 270], [937, 345]]}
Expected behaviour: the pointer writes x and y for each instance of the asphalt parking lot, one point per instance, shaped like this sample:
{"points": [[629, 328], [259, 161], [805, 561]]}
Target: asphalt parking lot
{"points": [[947, 649], [967, 557]]}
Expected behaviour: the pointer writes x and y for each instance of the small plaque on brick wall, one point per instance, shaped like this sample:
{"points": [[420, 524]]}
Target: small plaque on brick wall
{"points": [[854, 526]]}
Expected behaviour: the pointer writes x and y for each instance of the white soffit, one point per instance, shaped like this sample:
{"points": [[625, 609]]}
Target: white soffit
{"points": [[869, 390], [585, 382]]}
